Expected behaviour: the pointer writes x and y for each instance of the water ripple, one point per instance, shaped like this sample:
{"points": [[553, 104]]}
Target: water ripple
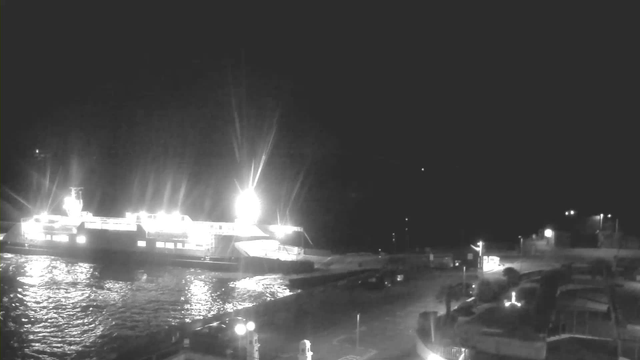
{"points": [[55, 308]]}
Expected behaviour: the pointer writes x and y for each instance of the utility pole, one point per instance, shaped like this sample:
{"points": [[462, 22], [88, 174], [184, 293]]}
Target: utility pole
{"points": [[601, 217], [406, 233], [395, 245], [480, 262]]}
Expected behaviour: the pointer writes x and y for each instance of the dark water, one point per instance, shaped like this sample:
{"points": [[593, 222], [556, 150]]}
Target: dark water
{"points": [[55, 308]]}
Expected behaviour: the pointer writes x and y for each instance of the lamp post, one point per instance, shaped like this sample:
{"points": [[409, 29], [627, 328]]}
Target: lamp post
{"points": [[550, 234], [601, 217], [395, 246], [609, 216], [521, 246], [406, 233], [479, 250]]}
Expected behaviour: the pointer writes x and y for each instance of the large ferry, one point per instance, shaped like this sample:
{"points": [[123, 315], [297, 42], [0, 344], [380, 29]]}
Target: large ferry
{"points": [[156, 237]]}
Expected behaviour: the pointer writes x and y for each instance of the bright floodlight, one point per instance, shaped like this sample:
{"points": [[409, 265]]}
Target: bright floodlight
{"points": [[81, 239], [72, 206], [240, 329], [572, 212], [566, 213], [248, 207], [548, 233], [251, 326], [609, 215]]}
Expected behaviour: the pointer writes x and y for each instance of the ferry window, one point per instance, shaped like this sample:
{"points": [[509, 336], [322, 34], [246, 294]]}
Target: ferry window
{"points": [[142, 243], [160, 244], [170, 245], [179, 245]]}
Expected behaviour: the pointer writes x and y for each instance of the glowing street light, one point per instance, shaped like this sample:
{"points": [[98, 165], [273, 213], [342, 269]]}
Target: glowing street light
{"points": [[548, 233], [479, 249], [513, 300], [521, 246], [240, 329], [601, 217], [251, 326], [569, 213], [247, 207]]}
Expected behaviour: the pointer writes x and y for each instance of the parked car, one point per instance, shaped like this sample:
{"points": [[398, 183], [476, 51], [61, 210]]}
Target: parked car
{"points": [[227, 337], [383, 279]]}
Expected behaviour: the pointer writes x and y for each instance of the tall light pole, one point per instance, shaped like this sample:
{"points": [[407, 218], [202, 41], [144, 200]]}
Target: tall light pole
{"points": [[479, 250], [521, 247], [550, 234], [406, 233], [395, 245], [601, 217]]}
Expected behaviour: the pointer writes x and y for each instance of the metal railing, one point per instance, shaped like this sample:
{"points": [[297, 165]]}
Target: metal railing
{"points": [[593, 325]]}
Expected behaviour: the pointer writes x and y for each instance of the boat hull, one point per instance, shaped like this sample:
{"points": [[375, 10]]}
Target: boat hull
{"points": [[132, 247]]}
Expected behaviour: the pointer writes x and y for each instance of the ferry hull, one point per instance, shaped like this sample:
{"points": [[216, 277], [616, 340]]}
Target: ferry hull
{"points": [[134, 247]]}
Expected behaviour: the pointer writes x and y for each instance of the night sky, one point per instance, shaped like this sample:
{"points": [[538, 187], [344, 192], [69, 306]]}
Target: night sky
{"points": [[514, 119]]}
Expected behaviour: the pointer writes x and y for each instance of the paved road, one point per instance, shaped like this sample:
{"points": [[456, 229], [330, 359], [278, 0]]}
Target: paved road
{"points": [[388, 319]]}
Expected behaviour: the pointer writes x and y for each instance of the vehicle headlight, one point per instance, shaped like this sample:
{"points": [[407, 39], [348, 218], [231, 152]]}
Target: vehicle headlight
{"points": [[251, 326], [240, 329]]}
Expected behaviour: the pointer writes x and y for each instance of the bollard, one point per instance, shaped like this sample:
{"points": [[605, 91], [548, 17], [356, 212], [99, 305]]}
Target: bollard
{"points": [[305, 350], [252, 347]]}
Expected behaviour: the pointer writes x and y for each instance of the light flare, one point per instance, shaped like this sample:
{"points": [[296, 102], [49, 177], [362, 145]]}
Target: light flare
{"points": [[248, 207]]}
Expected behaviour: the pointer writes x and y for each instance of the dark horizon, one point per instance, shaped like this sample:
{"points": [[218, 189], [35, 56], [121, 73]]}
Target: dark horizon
{"points": [[513, 125]]}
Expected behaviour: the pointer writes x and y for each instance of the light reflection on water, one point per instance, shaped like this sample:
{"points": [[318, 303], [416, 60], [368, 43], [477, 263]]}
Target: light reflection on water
{"points": [[54, 308]]}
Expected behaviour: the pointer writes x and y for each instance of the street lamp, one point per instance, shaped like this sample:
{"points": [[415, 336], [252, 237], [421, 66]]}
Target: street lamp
{"points": [[406, 233], [569, 213], [395, 247], [479, 250], [601, 217], [609, 216], [521, 247], [550, 234]]}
